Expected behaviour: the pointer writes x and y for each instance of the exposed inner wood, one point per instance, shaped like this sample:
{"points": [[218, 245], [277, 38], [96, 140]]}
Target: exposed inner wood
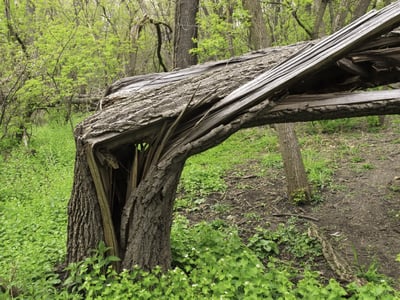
{"points": [[147, 126]]}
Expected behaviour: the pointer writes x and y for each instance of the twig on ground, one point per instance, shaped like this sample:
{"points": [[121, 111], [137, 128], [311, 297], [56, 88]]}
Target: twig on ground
{"points": [[297, 216]]}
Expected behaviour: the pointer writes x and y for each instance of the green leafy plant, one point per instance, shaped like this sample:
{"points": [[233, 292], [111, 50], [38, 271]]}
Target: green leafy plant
{"points": [[285, 238], [90, 276], [223, 30], [300, 197], [369, 273]]}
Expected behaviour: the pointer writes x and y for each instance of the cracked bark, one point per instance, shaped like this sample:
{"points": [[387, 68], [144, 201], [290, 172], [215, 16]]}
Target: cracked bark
{"points": [[149, 126]]}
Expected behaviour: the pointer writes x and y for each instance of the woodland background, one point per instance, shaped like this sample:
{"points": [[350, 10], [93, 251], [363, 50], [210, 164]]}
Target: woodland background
{"points": [[64, 54], [57, 60]]}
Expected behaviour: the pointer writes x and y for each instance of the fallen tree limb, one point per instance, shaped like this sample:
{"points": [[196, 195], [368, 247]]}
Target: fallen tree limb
{"points": [[337, 263], [301, 108]]}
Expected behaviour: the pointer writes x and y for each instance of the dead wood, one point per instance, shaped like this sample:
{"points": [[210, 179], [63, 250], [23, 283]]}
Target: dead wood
{"points": [[130, 154], [337, 263]]}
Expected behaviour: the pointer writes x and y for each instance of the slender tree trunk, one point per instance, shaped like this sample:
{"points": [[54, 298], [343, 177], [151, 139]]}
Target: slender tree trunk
{"points": [[340, 19], [297, 184], [294, 168], [361, 8], [319, 18]]}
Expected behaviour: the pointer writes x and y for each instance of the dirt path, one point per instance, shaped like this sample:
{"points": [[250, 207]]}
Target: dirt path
{"points": [[365, 215], [359, 213]]}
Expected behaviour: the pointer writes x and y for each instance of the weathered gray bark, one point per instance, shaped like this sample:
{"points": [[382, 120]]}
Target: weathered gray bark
{"points": [[130, 154]]}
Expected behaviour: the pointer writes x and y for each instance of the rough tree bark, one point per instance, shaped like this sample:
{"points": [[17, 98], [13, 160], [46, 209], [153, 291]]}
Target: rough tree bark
{"points": [[185, 18], [185, 32], [130, 154], [299, 191]]}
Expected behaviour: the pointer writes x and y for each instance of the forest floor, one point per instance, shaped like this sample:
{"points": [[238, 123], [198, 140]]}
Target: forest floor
{"points": [[356, 217]]}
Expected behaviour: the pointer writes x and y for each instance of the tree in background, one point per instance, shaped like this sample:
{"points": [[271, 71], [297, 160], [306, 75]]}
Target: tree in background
{"points": [[298, 188], [185, 33], [222, 30], [258, 35]]}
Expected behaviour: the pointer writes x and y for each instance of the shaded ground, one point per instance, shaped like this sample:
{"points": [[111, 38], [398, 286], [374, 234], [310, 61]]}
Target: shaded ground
{"points": [[358, 213]]}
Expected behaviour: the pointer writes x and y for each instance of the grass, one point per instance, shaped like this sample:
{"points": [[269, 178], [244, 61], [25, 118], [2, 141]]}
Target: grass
{"points": [[210, 260], [203, 173], [33, 199]]}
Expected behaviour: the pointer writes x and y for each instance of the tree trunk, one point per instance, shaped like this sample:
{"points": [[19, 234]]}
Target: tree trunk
{"points": [[258, 35], [185, 32], [138, 231], [361, 8], [85, 228], [297, 184], [149, 219], [296, 176], [319, 18]]}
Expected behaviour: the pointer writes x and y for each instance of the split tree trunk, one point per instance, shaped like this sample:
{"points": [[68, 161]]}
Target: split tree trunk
{"points": [[149, 219], [130, 154], [85, 228]]}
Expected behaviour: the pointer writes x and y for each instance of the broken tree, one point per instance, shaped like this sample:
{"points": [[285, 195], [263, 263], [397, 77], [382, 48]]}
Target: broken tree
{"points": [[130, 154]]}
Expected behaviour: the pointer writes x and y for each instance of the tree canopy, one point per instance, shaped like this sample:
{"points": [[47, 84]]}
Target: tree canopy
{"points": [[59, 53]]}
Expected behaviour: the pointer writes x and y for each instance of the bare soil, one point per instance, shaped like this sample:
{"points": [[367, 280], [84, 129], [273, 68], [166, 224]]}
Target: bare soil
{"points": [[358, 214]]}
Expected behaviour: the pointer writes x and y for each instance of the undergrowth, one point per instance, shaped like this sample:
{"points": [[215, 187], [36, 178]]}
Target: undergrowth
{"points": [[286, 240], [210, 261]]}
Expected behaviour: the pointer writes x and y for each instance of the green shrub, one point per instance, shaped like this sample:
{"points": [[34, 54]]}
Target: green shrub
{"points": [[211, 262]]}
